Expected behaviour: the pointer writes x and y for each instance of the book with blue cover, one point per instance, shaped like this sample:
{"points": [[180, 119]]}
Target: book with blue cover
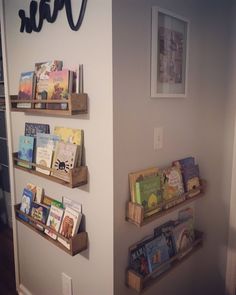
{"points": [[26, 150], [138, 260], [185, 162], [31, 129], [40, 213], [191, 180], [157, 252], [26, 203], [47, 140]]}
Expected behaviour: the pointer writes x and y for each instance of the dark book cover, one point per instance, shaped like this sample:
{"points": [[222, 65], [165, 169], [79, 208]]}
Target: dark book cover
{"points": [[138, 260], [31, 129], [191, 177]]}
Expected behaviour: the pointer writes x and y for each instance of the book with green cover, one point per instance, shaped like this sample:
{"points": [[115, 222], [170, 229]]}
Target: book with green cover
{"points": [[148, 192]]}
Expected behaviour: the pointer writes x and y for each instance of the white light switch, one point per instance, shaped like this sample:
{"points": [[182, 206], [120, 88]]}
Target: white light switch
{"points": [[158, 138]]}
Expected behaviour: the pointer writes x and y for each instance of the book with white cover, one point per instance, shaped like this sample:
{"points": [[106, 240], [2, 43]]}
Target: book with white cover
{"points": [[70, 225], [54, 220], [72, 204], [44, 158]]}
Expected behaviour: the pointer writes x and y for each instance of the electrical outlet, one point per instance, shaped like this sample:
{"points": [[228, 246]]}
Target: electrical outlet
{"points": [[66, 284], [158, 138]]}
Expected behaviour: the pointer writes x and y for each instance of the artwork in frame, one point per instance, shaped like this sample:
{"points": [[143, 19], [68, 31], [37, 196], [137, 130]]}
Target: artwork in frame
{"points": [[169, 54]]}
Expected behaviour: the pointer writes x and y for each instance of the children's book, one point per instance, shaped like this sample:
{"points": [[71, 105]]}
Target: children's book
{"points": [[65, 159], [157, 252], [185, 162], [26, 203], [191, 180], [70, 225], [26, 89], [138, 260], [47, 140], [166, 230], [40, 213], [31, 129], [54, 220], [44, 158], [172, 183], [25, 150], [59, 87], [72, 204], [42, 71], [47, 200], [139, 176], [148, 192]]}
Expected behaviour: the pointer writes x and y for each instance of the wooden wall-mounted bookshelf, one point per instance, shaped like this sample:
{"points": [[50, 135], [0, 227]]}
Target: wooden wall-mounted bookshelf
{"points": [[76, 104], [135, 213], [78, 176], [140, 283], [78, 243]]}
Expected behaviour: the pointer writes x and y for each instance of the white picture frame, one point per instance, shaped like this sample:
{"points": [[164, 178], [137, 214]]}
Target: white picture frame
{"points": [[169, 54]]}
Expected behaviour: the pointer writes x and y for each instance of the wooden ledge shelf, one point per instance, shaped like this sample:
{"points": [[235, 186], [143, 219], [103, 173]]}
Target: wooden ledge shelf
{"points": [[77, 244], [78, 176], [76, 104], [139, 283], [135, 213]]}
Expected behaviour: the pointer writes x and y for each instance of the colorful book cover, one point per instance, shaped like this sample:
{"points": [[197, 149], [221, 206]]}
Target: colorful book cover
{"points": [[25, 150], [31, 129], [59, 88], [26, 89], [65, 159], [148, 192], [166, 230], [54, 220], [26, 203], [57, 204], [47, 140], [40, 213], [47, 201], [172, 183], [70, 135], [138, 260], [157, 252], [185, 162], [138, 176], [183, 234], [42, 71], [44, 158], [191, 179], [70, 225]]}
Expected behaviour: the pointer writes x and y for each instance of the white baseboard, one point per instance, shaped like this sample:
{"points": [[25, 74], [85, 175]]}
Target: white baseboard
{"points": [[23, 290]]}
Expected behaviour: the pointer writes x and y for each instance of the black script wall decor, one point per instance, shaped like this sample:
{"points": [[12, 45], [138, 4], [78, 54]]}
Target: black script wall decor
{"points": [[28, 24]]}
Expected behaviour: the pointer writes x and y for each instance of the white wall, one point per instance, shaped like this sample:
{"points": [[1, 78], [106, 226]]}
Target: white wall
{"points": [[41, 264], [192, 126]]}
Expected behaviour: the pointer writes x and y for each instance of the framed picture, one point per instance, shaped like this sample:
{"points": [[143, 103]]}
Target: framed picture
{"points": [[169, 54]]}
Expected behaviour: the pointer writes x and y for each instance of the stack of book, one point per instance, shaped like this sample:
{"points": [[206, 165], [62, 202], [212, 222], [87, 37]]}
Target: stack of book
{"points": [[61, 217]]}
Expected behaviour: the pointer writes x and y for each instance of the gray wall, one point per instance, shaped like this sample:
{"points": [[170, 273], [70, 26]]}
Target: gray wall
{"points": [[192, 126]]}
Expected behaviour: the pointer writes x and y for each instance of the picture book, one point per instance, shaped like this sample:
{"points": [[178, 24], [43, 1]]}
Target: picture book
{"points": [[166, 230], [54, 221], [191, 180], [70, 225], [183, 234], [65, 159], [44, 158], [138, 176], [72, 204], [25, 150], [42, 71], [26, 203], [40, 213], [47, 201], [26, 89], [31, 187], [138, 260], [59, 88], [157, 252], [47, 140], [31, 129], [148, 192], [172, 183], [185, 162]]}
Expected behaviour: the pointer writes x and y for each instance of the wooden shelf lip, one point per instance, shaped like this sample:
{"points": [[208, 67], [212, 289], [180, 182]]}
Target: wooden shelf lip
{"points": [[78, 243], [135, 212], [139, 283], [76, 104], [78, 176]]}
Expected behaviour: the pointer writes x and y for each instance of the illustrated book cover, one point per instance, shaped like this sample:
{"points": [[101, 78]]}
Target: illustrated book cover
{"points": [[31, 129], [44, 158], [59, 87], [166, 230], [138, 176], [138, 260], [40, 213], [172, 183], [70, 225], [26, 203], [157, 252], [25, 150], [65, 159], [42, 71], [191, 180], [47, 140], [185, 162], [54, 220], [183, 234], [148, 193], [26, 89]]}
